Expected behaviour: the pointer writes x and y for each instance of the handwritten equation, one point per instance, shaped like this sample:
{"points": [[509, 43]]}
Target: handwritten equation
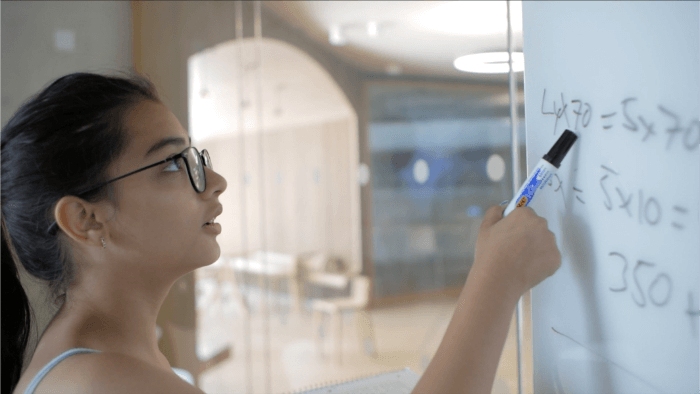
{"points": [[637, 203], [679, 133], [647, 283], [657, 291]]}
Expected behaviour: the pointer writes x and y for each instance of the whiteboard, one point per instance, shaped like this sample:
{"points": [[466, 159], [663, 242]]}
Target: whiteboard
{"points": [[621, 315]]}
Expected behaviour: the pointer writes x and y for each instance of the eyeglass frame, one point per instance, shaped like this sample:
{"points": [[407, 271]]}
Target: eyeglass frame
{"points": [[204, 158]]}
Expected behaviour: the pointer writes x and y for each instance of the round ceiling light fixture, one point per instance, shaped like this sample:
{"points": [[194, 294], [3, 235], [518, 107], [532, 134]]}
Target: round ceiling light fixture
{"points": [[489, 62]]}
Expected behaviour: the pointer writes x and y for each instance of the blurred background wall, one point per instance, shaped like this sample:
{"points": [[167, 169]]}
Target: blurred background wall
{"points": [[43, 40]]}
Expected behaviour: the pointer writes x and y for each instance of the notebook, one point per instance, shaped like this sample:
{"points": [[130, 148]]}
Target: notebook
{"points": [[397, 382]]}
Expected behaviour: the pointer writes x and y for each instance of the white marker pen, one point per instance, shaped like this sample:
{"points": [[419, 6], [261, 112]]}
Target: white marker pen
{"points": [[543, 171]]}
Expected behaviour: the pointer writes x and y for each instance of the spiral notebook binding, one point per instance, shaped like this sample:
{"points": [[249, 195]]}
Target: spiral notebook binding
{"points": [[334, 383]]}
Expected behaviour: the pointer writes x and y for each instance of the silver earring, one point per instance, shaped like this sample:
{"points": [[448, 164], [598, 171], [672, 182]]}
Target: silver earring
{"points": [[104, 244]]}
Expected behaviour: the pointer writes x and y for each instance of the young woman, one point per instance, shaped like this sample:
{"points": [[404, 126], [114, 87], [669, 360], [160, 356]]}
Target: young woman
{"points": [[103, 197]]}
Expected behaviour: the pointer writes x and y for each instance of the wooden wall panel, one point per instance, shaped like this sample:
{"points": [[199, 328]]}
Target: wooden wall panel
{"points": [[166, 33], [308, 201], [274, 192], [253, 187], [286, 167], [338, 190], [302, 214]]}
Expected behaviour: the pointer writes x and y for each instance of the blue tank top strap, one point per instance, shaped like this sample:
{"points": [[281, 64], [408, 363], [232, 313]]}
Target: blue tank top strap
{"points": [[48, 367]]}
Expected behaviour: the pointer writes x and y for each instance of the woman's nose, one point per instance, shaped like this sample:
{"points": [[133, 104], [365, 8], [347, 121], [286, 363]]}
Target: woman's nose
{"points": [[215, 182]]}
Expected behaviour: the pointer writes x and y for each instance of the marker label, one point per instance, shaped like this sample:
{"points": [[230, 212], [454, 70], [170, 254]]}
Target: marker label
{"points": [[538, 179], [543, 171]]}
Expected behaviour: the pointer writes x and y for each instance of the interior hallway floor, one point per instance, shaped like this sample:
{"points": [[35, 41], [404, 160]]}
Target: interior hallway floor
{"points": [[406, 335]]}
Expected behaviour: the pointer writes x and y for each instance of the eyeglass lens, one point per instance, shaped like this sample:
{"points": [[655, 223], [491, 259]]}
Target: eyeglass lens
{"points": [[195, 160], [207, 159]]}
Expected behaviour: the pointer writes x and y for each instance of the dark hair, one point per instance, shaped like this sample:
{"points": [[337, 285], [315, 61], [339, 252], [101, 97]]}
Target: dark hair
{"points": [[58, 143]]}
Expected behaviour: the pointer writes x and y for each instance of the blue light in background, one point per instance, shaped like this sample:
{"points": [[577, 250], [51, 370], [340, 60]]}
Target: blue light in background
{"points": [[439, 166], [474, 211]]}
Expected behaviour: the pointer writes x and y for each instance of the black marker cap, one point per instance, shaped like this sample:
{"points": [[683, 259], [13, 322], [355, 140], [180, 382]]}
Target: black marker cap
{"points": [[561, 148]]}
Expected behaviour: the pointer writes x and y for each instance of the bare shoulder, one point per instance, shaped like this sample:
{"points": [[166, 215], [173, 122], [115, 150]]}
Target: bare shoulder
{"points": [[111, 373]]}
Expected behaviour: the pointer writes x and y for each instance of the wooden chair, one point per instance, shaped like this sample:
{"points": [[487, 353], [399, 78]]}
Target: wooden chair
{"points": [[357, 303], [274, 267]]}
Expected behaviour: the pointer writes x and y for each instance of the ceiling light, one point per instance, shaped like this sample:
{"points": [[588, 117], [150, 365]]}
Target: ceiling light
{"points": [[472, 17], [489, 63], [335, 36], [372, 28], [394, 69]]}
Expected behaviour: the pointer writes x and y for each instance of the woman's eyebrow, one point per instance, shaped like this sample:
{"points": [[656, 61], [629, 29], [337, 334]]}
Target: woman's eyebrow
{"points": [[178, 141]]}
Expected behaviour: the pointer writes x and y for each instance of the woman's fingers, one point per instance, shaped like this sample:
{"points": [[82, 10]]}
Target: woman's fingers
{"points": [[492, 216], [519, 249]]}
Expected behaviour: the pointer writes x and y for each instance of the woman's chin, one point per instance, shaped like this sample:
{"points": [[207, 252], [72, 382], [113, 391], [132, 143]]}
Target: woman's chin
{"points": [[213, 255]]}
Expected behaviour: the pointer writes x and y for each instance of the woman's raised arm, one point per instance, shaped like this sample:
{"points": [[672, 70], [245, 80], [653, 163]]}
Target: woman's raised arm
{"points": [[512, 255]]}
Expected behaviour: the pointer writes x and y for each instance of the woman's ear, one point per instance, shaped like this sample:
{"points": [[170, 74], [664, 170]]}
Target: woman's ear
{"points": [[78, 220]]}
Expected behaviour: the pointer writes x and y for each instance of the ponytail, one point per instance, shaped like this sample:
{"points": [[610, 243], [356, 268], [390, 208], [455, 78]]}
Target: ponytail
{"points": [[59, 142], [16, 320]]}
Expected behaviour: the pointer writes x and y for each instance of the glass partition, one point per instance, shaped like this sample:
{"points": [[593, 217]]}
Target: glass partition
{"points": [[354, 198], [440, 157]]}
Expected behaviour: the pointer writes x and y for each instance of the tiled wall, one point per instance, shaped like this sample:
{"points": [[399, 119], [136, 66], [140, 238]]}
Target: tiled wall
{"points": [[428, 247], [424, 230]]}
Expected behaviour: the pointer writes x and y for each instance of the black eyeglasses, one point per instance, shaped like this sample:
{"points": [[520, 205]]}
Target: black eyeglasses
{"points": [[194, 163]]}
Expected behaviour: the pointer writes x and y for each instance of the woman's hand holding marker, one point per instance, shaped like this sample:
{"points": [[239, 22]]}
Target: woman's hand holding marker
{"points": [[517, 251], [513, 254]]}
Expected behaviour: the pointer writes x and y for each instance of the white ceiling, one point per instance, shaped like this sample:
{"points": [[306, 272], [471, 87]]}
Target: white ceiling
{"points": [[415, 37]]}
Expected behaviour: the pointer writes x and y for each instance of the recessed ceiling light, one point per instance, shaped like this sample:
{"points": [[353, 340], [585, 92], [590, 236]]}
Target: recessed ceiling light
{"points": [[372, 28], [489, 63], [394, 69], [336, 36]]}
